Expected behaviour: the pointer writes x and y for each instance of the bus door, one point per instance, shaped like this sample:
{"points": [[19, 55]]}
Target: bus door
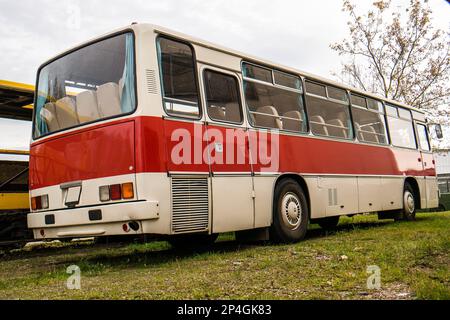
{"points": [[428, 167], [227, 151]]}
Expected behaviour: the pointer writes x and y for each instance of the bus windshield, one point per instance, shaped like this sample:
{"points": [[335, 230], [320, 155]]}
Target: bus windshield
{"points": [[94, 83]]}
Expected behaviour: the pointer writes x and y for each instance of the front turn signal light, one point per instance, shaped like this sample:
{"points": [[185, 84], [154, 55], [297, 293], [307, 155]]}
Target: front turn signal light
{"points": [[127, 191], [34, 203], [39, 202]]}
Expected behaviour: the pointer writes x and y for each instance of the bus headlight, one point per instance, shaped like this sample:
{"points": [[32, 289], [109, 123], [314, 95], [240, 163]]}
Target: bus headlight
{"points": [[44, 201], [104, 194]]}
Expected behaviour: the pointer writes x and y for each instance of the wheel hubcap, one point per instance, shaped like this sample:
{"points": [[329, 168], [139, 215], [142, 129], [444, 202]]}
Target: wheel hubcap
{"points": [[291, 211], [409, 202]]}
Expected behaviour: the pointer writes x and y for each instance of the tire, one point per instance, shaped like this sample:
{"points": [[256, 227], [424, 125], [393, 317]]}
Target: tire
{"points": [[290, 213], [329, 223], [409, 204], [193, 241]]}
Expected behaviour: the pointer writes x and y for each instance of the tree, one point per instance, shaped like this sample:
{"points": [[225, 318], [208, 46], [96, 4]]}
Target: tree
{"points": [[401, 57]]}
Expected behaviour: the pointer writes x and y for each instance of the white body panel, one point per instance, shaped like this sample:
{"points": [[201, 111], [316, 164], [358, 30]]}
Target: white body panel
{"points": [[391, 193], [264, 200], [432, 192], [369, 194], [232, 204]]}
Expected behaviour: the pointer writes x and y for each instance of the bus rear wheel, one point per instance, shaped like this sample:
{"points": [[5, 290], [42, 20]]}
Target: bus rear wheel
{"points": [[290, 212], [409, 204]]}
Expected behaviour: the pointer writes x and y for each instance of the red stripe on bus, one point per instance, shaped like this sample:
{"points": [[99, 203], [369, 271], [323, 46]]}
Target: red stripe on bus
{"points": [[144, 144]]}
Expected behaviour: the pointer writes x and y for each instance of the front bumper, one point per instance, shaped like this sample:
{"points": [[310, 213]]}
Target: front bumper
{"points": [[79, 222]]}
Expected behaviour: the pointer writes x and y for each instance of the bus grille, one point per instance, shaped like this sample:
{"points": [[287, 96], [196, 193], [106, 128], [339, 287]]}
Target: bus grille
{"points": [[190, 205]]}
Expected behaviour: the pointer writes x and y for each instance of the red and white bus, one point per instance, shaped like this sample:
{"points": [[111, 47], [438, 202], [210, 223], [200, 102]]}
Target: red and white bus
{"points": [[149, 131]]}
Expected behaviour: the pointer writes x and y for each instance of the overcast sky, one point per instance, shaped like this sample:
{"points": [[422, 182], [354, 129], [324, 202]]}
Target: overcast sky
{"points": [[294, 33]]}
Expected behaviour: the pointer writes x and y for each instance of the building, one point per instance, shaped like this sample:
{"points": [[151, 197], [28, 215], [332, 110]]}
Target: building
{"points": [[442, 158]]}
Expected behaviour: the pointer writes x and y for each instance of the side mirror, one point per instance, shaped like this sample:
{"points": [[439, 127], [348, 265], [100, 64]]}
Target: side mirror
{"points": [[437, 130], [439, 133]]}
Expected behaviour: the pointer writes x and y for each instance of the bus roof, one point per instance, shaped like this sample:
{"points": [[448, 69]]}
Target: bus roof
{"points": [[145, 27], [16, 100]]}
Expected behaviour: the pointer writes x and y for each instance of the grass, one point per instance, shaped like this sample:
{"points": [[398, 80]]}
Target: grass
{"points": [[414, 259]]}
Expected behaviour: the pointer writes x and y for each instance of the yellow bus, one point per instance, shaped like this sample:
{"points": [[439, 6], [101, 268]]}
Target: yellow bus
{"points": [[16, 109]]}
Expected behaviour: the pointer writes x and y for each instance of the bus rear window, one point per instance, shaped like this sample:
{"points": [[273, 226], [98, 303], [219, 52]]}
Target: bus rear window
{"points": [[90, 84]]}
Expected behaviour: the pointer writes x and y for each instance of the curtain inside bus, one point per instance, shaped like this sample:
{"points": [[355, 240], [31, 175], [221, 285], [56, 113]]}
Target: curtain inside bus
{"points": [[128, 98]]}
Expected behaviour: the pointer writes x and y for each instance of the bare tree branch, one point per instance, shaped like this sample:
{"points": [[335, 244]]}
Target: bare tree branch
{"points": [[397, 54]]}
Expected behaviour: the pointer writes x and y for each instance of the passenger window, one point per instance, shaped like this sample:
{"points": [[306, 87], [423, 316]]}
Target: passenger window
{"points": [[370, 126], [222, 96], [418, 116], [277, 105], [337, 94], [391, 111], [178, 78], [258, 73], [423, 137], [328, 117], [375, 105], [405, 114], [402, 133], [359, 101], [273, 107], [287, 80], [317, 89]]}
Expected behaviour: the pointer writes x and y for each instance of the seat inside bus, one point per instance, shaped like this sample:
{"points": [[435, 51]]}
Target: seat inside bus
{"points": [[318, 125], [336, 128], [292, 121], [66, 112], [48, 112], [216, 113], [367, 133], [226, 112], [108, 99], [85, 107], [267, 116]]}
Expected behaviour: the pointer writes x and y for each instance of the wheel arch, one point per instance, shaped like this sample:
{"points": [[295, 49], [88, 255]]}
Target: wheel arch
{"points": [[301, 182], [415, 186]]}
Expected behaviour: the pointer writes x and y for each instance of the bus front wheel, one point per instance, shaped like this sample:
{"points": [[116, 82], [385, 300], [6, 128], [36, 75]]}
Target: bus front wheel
{"points": [[409, 204], [290, 212]]}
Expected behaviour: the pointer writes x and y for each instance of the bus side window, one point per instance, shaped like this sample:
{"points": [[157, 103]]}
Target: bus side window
{"points": [[401, 128], [329, 114], [222, 97], [423, 137], [274, 99], [179, 83], [368, 117]]}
